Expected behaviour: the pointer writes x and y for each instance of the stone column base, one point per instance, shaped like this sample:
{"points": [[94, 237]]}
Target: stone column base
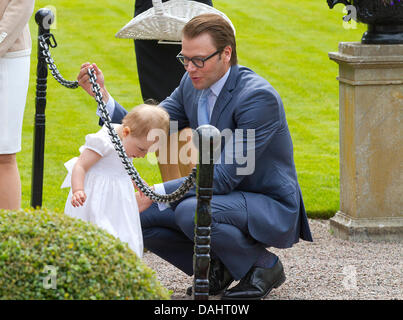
{"points": [[371, 141], [378, 229]]}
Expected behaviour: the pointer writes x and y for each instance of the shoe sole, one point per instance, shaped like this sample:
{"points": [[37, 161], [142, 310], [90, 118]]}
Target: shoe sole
{"points": [[277, 284], [215, 293], [220, 291]]}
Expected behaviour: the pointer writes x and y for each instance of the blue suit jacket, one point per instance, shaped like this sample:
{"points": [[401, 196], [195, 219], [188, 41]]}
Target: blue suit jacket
{"points": [[276, 213]]}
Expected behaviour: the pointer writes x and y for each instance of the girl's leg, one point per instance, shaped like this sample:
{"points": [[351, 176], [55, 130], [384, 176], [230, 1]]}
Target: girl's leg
{"points": [[10, 183]]}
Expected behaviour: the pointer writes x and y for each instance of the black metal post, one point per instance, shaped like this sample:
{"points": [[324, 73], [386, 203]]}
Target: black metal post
{"points": [[208, 137], [44, 18]]}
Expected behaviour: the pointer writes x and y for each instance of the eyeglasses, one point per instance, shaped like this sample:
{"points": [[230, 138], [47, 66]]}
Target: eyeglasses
{"points": [[198, 62]]}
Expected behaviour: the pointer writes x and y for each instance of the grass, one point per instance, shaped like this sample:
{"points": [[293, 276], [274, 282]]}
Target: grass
{"points": [[286, 42]]}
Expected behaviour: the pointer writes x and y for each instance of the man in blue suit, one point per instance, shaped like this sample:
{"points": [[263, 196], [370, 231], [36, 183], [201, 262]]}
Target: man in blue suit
{"points": [[251, 209]]}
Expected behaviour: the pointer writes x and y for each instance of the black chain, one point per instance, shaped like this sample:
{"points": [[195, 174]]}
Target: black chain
{"points": [[143, 187], [52, 66], [140, 183]]}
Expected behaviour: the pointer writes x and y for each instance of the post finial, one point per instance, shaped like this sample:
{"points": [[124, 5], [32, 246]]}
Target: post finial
{"points": [[44, 18]]}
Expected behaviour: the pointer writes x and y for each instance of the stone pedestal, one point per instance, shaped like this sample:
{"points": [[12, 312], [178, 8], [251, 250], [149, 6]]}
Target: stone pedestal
{"points": [[371, 141]]}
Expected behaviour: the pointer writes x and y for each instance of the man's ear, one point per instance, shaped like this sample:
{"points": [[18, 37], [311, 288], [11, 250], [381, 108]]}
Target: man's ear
{"points": [[125, 131], [227, 53]]}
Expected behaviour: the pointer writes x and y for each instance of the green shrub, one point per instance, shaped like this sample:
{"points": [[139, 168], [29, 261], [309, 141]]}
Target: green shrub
{"points": [[91, 264]]}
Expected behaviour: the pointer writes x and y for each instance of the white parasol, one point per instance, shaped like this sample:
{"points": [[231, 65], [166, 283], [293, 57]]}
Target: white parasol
{"points": [[165, 21]]}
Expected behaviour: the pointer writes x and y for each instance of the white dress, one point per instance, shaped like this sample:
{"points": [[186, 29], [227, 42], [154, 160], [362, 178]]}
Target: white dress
{"points": [[111, 203]]}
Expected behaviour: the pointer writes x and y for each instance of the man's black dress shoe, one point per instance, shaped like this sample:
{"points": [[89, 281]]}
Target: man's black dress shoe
{"points": [[219, 278], [257, 283]]}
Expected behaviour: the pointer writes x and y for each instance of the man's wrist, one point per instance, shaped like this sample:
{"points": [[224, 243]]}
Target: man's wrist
{"points": [[109, 105], [105, 95]]}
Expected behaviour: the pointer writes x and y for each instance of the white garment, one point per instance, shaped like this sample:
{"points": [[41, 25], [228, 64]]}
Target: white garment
{"points": [[111, 203], [14, 79]]}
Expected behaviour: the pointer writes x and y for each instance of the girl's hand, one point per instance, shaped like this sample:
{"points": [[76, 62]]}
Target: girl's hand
{"points": [[141, 194], [78, 198], [143, 202]]}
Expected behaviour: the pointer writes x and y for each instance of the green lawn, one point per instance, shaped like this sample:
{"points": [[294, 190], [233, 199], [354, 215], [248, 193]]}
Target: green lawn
{"points": [[284, 41]]}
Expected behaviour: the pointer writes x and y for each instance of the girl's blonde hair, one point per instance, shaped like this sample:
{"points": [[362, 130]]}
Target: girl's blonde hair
{"points": [[145, 117]]}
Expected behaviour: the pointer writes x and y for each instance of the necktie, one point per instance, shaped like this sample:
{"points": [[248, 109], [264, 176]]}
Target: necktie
{"points": [[203, 114]]}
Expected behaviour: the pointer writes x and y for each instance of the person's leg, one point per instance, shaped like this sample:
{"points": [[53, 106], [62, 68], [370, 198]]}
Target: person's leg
{"points": [[10, 183], [158, 69], [163, 237], [230, 241]]}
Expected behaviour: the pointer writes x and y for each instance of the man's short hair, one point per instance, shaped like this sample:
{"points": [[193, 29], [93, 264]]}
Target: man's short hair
{"points": [[217, 27]]}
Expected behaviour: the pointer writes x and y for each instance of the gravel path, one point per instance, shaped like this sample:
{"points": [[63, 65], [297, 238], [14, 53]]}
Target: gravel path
{"points": [[328, 268]]}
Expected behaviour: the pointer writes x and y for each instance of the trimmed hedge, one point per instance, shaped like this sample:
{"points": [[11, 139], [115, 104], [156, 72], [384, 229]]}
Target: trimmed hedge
{"points": [[91, 264]]}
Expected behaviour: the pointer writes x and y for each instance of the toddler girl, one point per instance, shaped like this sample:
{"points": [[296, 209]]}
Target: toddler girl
{"points": [[101, 191]]}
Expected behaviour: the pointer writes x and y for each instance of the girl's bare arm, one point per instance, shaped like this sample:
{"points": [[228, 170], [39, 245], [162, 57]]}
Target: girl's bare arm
{"points": [[86, 160]]}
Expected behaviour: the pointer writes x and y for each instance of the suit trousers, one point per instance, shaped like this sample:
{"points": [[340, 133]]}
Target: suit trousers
{"points": [[170, 233], [158, 69]]}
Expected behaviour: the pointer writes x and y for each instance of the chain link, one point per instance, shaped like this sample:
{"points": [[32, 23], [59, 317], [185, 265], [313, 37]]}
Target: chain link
{"points": [[52, 66]]}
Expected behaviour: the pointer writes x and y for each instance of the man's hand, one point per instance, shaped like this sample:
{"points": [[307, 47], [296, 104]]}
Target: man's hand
{"points": [[84, 80]]}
